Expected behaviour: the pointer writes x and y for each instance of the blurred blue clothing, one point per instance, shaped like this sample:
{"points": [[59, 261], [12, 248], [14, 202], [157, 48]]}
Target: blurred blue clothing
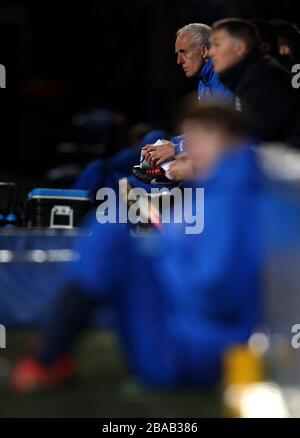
{"points": [[210, 87], [106, 173], [178, 141], [181, 299]]}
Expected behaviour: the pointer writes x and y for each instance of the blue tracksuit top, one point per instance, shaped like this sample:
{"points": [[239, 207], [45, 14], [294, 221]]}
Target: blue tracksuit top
{"points": [[210, 89]]}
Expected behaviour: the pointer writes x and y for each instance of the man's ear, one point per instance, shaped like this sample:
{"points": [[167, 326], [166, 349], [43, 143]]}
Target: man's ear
{"points": [[204, 52], [241, 48]]}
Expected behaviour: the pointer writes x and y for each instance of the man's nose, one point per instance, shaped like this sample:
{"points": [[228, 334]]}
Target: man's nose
{"points": [[179, 59]]}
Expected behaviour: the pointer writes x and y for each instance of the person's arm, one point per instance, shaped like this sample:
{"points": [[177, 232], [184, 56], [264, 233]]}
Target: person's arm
{"points": [[182, 169], [157, 155]]}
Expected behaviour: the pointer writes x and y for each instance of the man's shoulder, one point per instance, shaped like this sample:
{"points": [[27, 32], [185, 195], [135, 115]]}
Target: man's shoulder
{"points": [[265, 74], [268, 66]]}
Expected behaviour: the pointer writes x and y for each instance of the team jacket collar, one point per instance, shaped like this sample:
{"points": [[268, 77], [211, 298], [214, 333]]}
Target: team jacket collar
{"points": [[207, 71]]}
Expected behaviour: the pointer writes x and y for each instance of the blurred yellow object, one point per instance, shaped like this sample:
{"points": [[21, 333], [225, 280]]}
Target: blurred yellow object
{"points": [[246, 393], [242, 365]]}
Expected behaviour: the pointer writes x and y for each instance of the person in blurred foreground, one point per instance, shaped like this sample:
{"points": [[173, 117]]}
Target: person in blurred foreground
{"points": [[181, 299], [192, 51]]}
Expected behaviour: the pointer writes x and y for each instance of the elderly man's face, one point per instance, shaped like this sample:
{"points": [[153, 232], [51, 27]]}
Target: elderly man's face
{"points": [[225, 51], [190, 56]]}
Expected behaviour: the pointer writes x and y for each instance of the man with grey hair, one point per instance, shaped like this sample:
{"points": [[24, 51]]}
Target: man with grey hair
{"points": [[192, 50], [191, 47]]}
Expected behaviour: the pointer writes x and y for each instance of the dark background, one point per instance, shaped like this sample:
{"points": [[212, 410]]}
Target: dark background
{"points": [[64, 58]]}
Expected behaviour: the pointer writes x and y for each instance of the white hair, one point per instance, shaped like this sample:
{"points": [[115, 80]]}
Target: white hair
{"points": [[200, 33]]}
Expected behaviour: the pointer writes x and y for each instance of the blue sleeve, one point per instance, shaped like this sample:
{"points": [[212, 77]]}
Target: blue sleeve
{"points": [[123, 161], [179, 144], [91, 177]]}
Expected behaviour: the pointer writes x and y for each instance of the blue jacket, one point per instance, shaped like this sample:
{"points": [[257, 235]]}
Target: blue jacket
{"points": [[210, 87]]}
